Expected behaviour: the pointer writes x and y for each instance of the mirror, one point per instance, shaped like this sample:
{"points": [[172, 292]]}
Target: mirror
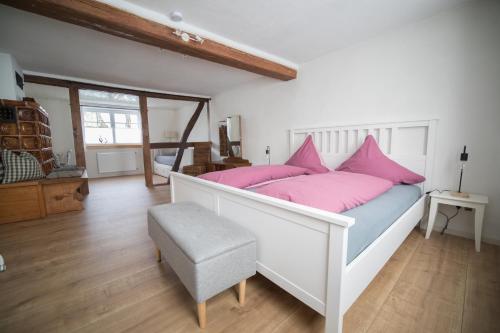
{"points": [[230, 137]]}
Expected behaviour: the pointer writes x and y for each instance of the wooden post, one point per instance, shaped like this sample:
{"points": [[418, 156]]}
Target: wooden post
{"points": [[146, 149], [76, 119], [185, 135]]}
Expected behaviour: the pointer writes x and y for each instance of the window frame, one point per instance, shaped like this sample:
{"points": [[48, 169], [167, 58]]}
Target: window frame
{"points": [[112, 111]]}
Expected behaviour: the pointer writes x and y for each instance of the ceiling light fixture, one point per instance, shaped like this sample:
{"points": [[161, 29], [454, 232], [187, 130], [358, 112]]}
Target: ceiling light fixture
{"points": [[176, 16], [186, 36]]}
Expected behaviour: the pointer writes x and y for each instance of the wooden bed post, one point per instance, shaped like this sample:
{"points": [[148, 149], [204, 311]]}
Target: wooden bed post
{"points": [[146, 149], [337, 257], [185, 135], [76, 120]]}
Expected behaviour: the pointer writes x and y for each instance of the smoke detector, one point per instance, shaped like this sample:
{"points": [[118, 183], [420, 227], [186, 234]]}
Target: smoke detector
{"points": [[176, 16]]}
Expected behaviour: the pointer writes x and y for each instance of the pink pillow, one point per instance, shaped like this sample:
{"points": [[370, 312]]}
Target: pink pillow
{"points": [[307, 157], [252, 175], [370, 160]]}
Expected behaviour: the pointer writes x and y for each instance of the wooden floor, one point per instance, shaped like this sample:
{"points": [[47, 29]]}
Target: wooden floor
{"points": [[95, 271]]}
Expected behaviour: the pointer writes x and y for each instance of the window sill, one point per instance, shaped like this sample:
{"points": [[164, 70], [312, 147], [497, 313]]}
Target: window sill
{"points": [[113, 146]]}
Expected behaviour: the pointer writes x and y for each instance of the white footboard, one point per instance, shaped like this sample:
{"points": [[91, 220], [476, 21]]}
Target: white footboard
{"points": [[301, 249]]}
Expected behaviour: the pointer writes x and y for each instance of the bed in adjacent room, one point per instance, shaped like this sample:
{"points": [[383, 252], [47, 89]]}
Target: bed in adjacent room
{"points": [[324, 235], [162, 164]]}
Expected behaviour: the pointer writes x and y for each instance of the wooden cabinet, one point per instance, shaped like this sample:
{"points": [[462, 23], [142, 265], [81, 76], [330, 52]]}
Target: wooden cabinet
{"points": [[36, 199], [227, 164], [24, 126], [62, 195], [194, 170], [21, 201], [201, 158]]}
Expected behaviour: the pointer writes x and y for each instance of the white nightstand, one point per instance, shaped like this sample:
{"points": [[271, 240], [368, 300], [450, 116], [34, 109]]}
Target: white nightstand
{"points": [[474, 201]]}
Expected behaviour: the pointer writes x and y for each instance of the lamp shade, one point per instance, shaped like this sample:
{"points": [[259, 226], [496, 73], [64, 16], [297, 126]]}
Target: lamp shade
{"points": [[170, 134]]}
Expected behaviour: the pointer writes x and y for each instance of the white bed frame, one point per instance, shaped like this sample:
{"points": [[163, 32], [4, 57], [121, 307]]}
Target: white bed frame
{"points": [[303, 249]]}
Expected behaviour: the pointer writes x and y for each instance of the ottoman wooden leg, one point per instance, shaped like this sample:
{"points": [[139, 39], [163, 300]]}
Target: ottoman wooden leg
{"points": [[158, 254], [202, 314], [241, 291]]}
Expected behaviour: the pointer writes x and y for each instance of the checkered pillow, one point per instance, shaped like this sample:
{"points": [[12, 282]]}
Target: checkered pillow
{"points": [[20, 167], [1, 171]]}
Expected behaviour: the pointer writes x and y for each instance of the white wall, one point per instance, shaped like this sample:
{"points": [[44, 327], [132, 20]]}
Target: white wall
{"points": [[8, 87], [60, 123], [91, 162], [161, 120], [200, 130], [446, 67]]}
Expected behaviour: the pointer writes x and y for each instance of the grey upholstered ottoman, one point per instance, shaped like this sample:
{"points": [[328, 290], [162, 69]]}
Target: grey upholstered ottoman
{"points": [[209, 253]]}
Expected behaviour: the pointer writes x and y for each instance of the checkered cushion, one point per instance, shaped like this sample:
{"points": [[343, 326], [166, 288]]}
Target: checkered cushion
{"points": [[1, 171], [20, 167]]}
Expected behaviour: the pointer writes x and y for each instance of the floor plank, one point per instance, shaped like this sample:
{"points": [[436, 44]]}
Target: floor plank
{"points": [[95, 271], [429, 295], [364, 311], [481, 308]]}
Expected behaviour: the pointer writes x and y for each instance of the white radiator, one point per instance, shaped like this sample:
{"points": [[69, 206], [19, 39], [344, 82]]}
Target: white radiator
{"points": [[117, 161]]}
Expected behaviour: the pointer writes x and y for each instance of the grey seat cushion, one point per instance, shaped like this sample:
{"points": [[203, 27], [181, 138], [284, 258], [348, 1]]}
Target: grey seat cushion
{"points": [[199, 232]]}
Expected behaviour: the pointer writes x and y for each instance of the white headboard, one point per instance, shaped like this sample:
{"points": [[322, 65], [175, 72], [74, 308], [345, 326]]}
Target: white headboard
{"points": [[411, 143]]}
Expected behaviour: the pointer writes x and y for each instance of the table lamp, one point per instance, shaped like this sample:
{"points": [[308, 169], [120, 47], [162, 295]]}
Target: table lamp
{"points": [[464, 156]]}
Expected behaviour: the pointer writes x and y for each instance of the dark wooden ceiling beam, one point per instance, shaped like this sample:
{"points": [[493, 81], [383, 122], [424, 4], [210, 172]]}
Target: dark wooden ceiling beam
{"points": [[82, 85], [105, 18]]}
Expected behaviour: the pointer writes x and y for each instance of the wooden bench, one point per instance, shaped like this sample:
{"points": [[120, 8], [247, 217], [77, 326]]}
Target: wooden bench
{"points": [[209, 253], [36, 199]]}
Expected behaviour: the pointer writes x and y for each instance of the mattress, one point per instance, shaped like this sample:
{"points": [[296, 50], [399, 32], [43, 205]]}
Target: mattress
{"points": [[377, 215], [165, 159]]}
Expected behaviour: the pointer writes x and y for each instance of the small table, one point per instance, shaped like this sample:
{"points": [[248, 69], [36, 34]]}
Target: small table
{"points": [[475, 201]]}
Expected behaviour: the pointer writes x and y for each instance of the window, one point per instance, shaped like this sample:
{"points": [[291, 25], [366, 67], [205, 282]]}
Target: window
{"points": [[111, 126]]}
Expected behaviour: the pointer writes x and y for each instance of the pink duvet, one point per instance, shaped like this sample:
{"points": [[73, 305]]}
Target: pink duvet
{"points": [[334, 191], [252, 175]]}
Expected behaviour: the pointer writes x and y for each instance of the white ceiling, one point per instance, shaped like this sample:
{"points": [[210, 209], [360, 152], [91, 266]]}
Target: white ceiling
{"points": [[296, 31]]}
